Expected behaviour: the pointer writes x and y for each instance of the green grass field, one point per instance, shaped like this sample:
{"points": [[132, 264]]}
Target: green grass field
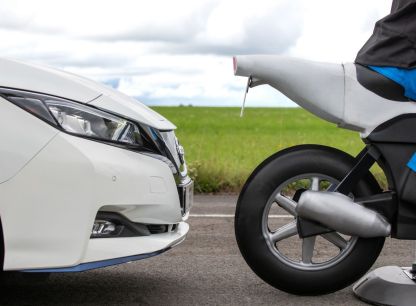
{"points": [[222, 149]]}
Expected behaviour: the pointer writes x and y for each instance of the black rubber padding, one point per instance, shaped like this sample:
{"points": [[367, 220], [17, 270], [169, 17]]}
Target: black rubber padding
{"points": [[379, 84], [253, 198]]}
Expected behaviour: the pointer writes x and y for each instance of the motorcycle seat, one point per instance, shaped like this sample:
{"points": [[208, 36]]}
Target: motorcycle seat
{"points": [[379, 84]]}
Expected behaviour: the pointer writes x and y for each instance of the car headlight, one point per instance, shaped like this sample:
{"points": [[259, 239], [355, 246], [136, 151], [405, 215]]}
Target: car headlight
{"points": [[88, 122]]}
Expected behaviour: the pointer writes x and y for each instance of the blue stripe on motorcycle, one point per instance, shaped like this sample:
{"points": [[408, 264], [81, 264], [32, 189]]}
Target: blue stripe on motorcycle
{"points": [[412, 163], [96, 264]]}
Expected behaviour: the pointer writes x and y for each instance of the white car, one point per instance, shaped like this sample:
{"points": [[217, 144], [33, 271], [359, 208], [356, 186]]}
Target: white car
{"points": [[89, 177]]}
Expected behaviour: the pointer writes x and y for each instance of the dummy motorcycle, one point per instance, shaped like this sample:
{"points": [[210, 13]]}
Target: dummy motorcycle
{"points": [[312, 219]]}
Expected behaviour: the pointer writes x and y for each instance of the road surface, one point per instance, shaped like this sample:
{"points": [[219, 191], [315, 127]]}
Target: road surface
{"points": [[206, 269]]}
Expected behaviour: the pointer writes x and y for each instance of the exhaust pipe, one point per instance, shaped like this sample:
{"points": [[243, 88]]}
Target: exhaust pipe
{"points": [[341, 213]]}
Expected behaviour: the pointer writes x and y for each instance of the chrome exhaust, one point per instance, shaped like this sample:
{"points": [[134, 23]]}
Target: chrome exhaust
{"points": [[341, 213]]}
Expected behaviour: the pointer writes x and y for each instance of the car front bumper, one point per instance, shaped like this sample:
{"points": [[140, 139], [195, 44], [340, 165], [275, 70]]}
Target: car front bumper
{"points": [[49, 207], [113, 251]]}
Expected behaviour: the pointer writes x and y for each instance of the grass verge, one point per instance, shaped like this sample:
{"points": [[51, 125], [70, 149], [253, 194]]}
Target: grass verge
{"points": [[222, 149]]}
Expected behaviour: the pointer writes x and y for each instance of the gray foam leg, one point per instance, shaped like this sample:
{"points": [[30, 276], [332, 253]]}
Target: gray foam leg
{"points": [[389, 285]]}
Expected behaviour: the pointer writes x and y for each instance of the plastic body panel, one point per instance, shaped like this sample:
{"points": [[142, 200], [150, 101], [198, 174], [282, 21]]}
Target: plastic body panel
{"points": [[330, 91], [48, 208], [113, 251], [103, 249], [365, 109], [389, 285], [52, 184], [59, 83], [18, 145], [397, 143], [20, 75], [129, 107], [304, 82]]}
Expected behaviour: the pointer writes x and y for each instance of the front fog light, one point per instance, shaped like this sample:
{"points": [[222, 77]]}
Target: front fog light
{"points": [[104, 228]]}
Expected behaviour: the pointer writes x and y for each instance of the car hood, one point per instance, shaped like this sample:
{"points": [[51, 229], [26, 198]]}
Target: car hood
{"points": [[24, 76]]}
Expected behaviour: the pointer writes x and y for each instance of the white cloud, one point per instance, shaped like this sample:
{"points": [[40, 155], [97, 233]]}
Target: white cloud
{"points": [[334, 31], [179, 51]]}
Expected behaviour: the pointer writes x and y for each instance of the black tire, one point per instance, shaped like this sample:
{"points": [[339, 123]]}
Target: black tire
{"points": [[249, 213]]}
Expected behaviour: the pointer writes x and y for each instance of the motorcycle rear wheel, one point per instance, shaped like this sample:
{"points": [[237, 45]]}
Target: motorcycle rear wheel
{"points": [[266, 231]]}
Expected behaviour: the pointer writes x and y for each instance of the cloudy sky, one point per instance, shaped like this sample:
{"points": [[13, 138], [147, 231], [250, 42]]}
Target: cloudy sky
{"points": [[168, 52]]}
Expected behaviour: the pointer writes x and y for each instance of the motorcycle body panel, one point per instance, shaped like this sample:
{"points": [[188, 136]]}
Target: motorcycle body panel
{"points": [[333, 92], [397, 143]]}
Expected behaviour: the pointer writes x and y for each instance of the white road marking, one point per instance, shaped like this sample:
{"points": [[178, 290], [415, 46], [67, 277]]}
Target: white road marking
{"points": [[232, 216]]}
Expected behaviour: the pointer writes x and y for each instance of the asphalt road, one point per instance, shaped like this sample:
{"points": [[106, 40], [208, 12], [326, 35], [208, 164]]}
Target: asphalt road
{"points": [[206, 269]]}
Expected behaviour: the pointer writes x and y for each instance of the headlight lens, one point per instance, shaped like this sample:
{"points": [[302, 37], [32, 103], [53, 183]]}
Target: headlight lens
{"points": [[82, 120], [86, 121], [90, 122]]}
